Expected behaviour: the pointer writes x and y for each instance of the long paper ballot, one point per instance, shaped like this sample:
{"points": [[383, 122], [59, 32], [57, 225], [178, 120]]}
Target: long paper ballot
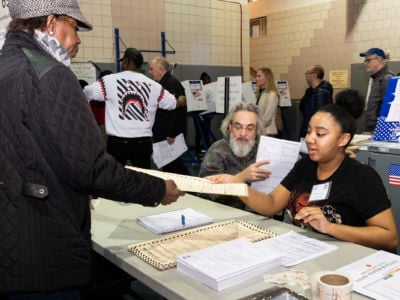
{"points": [[196, 184]]}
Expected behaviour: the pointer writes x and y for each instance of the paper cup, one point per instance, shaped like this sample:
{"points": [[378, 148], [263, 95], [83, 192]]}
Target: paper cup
{"points": [[333, 286]]}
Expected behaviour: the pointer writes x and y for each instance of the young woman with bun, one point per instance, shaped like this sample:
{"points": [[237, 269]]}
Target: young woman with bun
{"points": [[329, 191]]}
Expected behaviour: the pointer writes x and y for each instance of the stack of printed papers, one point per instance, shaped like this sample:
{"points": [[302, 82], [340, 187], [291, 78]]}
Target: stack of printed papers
{"points": [[227, 264], [230, 263]]}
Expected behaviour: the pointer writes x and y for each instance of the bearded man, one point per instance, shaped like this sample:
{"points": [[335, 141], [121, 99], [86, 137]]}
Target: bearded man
{"points": [[235, 154]]}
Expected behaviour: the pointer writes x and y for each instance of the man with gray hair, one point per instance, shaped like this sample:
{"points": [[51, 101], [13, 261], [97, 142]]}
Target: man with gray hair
{"points": [[169, 124], [235, 154]]}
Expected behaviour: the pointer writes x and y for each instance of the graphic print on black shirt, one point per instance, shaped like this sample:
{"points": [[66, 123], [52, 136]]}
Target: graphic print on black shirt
{"points": [[299, 200]]}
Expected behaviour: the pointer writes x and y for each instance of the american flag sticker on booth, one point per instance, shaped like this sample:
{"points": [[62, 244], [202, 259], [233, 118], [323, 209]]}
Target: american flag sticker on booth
{"points": [[394, 175]]}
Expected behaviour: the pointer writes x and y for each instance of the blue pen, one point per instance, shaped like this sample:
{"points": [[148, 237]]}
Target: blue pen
{"points": [[183, 220]]}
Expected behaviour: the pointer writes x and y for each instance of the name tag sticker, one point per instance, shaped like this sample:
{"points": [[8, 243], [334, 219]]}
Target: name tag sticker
{"points": [[320, 191]]}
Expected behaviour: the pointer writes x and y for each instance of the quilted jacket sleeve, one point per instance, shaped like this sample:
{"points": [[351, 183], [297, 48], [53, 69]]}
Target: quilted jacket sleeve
{"points": [[74, 147]]}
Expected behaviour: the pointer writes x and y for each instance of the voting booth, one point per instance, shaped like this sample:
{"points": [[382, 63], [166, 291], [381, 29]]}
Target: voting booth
{"points": [[210, 93], [229, 92], [284, 93], [199, 101], [215, 92], [195, 99], [249, 90]]}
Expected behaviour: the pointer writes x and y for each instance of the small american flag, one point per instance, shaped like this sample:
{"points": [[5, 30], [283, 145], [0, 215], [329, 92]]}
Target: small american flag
{"points": [[394, 175]]}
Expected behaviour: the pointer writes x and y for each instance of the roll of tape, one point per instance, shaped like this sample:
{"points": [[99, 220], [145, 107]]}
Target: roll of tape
{"points": [[331, 285]]}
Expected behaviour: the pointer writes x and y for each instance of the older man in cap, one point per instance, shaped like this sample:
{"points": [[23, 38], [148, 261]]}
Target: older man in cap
{"points": [[375, 65], [52, 157], [132, 100]]}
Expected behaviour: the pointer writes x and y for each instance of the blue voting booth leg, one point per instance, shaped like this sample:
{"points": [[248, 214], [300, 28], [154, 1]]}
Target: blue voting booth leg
{"points": [[192, 158], [285, 131], [201, 124]]}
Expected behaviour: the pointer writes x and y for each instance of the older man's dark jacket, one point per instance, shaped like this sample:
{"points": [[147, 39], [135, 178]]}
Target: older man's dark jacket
{"points": [[313, 99], [51, 158], [170, 123], [378, 89]]}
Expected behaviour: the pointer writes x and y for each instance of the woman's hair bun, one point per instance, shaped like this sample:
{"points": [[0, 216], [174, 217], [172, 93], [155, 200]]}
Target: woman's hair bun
{"points": [[352, 101]]}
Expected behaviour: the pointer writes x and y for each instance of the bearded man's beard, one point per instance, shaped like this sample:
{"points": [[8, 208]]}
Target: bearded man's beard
{"points": [[241, 150]]}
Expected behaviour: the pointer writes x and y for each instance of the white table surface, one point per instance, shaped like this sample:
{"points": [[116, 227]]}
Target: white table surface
{"points": [[114, 227]]}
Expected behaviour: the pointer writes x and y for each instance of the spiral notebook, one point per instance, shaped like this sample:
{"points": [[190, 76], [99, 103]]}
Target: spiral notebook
{"points": [[174, 220], [161, 253]]}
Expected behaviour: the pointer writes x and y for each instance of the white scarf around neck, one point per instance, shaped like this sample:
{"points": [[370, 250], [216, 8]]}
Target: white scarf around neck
{"points": [[53, 47]]}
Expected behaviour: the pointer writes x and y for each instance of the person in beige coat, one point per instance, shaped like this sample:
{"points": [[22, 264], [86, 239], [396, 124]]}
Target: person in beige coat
{"points": [[267, 100]]}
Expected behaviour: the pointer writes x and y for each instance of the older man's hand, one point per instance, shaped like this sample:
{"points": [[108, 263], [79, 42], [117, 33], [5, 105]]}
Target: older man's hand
{"points": [[254, 172]]}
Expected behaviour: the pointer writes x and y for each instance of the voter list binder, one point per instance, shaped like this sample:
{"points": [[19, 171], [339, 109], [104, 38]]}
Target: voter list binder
{"points": [[161, 253], [228, 264], [174, 220]]}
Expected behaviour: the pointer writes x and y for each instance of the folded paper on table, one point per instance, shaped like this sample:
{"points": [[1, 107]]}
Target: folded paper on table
{"points": [[196, 184], [174, 220], [161, 253]]}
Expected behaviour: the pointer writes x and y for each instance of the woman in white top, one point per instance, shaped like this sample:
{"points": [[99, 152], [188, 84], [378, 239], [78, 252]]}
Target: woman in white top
{"points": [[267, 100]]}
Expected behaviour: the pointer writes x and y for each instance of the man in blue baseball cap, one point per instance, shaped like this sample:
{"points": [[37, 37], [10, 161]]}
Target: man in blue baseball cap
{"points": [[375, 65]]}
